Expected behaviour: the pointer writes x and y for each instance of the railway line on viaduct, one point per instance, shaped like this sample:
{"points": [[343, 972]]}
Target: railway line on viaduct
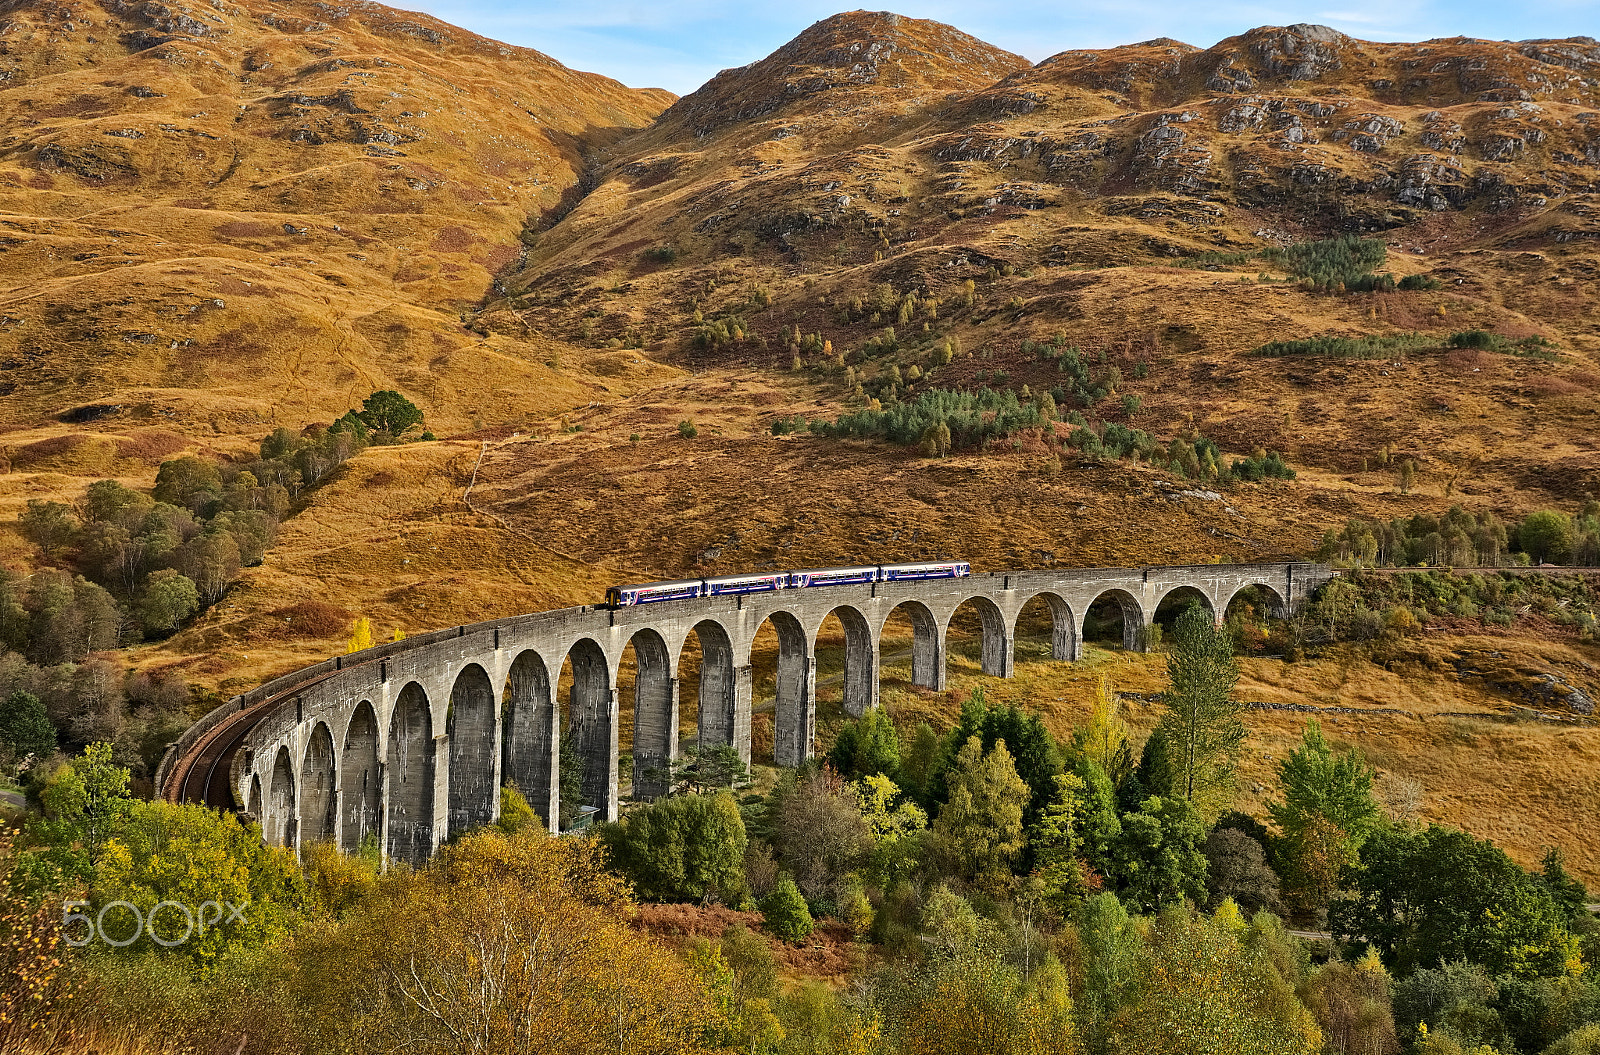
{"points": [[411, 740]]}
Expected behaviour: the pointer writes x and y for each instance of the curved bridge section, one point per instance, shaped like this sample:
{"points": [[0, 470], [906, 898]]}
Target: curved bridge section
{"points": [[409, 742]]}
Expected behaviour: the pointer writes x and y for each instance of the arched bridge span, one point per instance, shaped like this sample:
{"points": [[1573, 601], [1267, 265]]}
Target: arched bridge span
{"points": [[409, 742]]}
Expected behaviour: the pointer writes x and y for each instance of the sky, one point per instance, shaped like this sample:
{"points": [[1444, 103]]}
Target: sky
{"points": [[680, 44]]}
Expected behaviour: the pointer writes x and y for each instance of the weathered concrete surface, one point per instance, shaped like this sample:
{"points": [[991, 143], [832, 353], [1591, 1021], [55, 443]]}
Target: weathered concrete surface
{"points": [[411, 741]]}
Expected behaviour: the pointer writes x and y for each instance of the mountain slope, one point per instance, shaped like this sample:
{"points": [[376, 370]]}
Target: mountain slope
{"points": [[818, 203], [258, 212]]}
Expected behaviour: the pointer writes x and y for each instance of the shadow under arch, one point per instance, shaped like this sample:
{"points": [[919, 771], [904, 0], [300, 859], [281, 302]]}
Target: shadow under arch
{"points": [[1064, 644], [794, 704], [318, 789], [995, 656], [252, 803], [359, 779], [1129, 608], [1269, 600], [409, 777], [723, 710], [470, 727], [592, 727], [530, 731], [281, 802], [860, 676], [927, 644], [655, 714], [1173, 603]]}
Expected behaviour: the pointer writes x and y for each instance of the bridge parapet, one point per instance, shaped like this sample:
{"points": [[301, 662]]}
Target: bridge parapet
{"points": [[410, 741]]}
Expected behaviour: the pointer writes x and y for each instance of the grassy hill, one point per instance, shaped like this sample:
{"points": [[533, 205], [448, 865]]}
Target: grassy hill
{"points": [[219, 222]]}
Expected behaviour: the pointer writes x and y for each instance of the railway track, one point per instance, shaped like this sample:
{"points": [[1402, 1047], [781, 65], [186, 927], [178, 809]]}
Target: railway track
{"points": [[202, 776]]}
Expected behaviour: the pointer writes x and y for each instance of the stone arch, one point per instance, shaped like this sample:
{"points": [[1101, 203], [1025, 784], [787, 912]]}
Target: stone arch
{"points": [[360, 780], [655, 714], [252, 804], [531, 735], [470, 724], [996, 657], [1174, 601], [1064, 644], [927, 644], [409, 777], [794, 705], [860, 658], [318, 789], [724, 703], [1276, 607], [592, 729], [281, 802], [1132, 616]]}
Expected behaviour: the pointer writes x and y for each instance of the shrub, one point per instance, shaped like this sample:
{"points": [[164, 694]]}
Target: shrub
{"points": [[1333, 263], [785, 913], [688, 847], [687, 430]]}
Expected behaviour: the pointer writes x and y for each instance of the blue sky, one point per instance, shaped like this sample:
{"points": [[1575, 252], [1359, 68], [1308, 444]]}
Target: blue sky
{"points": [[680, 44]]}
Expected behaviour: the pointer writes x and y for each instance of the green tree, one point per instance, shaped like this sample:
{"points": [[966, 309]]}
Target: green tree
{"points": [[108, 502], [25, 727], [1057, 846], [1201, 724], [1098, 822], [1158, 858], [785, 912], [686, 847], [1326, 813], [47, 525], [1110, 951], [169, 598], [980, 831], [1438, 895], [1566, 890], [189, 482], [866, 746], [1546, 537], [388, 411], [81, 802]]}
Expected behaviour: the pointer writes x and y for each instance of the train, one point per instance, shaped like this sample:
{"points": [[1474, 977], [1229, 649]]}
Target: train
{"points": [[768, 582]]}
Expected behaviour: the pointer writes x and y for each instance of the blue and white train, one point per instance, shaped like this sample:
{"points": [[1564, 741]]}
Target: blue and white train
{"points": [[767, 582]]}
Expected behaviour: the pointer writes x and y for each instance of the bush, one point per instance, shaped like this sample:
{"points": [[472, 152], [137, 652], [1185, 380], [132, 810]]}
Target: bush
{"points": [[1345, 262], [1331, 345], [785, 913], [687, 430], [1263, 467], [688, 847]]}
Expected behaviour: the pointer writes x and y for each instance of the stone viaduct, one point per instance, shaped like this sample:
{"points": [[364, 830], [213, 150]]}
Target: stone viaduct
{"points": [[409, 742]]}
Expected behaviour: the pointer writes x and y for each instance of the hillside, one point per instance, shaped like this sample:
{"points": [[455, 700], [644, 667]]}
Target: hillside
{"points": [[224, 218]]}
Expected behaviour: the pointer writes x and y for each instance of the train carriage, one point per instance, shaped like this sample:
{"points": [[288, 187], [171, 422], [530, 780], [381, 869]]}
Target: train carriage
{"points": [[646, 593], [736, 584], [946, 569], [858, 575]]}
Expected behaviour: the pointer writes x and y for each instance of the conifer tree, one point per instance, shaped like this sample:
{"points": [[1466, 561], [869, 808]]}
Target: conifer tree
{"points": [[1202, 727]]}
